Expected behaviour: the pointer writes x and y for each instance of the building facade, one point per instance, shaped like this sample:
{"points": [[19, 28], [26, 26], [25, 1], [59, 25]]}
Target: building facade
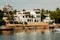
{"points": [[28, 16]]}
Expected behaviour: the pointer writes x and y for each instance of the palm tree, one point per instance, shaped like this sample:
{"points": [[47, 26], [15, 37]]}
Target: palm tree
{"points": [[42, 14]]}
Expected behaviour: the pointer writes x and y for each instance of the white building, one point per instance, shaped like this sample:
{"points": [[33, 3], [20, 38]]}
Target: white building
{"points": [[48, 19], [27, 16]]}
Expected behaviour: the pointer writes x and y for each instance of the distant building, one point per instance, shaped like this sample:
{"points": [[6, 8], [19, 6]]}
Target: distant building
{"points": [[27, 16], [7, 8], [48, 19]]}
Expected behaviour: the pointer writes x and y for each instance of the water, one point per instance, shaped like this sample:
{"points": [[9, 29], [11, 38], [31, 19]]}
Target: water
{"points": [[31, 36]]}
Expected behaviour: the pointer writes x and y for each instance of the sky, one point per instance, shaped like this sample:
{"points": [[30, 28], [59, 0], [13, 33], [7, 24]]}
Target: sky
{"points": [[31, 4]]}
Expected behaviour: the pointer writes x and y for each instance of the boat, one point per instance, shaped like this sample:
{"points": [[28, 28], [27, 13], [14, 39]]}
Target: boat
{"points": [[57, 30], [3, 28]]}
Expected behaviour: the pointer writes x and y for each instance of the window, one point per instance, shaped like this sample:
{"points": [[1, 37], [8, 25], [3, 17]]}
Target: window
{"points": [[23, 16], [29, 20], [38, 16], [26, 16], [35, 20], [37, 12], [15, 16]]}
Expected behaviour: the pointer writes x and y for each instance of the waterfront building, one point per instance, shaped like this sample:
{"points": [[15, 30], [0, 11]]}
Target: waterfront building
{"points": [[48, 19], [28, 16], [30, 19]]}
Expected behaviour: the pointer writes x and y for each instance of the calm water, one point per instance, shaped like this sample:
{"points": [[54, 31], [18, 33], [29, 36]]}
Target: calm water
{"points": [[31, 36]]}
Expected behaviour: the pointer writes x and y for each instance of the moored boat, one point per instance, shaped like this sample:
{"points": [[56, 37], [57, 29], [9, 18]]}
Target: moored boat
{"points": [[57, 30]]}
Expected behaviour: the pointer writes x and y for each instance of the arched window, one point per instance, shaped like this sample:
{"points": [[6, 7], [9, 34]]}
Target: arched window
{"points": [[29, 20], [35, 20]]}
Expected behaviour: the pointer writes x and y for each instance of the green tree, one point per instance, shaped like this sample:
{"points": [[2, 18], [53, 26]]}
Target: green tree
{"points": [[1, 16], [55, 15], [10, 15], [42, 14]]}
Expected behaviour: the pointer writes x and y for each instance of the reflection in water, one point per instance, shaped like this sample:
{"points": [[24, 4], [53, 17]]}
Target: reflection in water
{"points": [[9, 37], [20, 36], [31, 36], [36, 36], [48, 36]]}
